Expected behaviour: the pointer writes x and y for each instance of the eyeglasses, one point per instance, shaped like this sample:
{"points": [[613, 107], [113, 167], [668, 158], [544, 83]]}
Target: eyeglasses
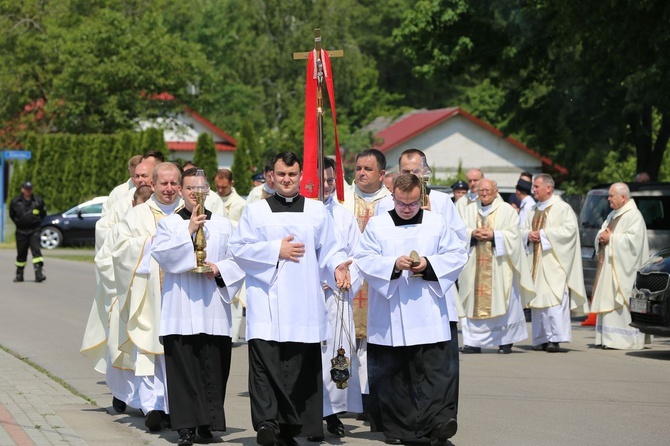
{"points": [[412, 206], [330, 181], [197, 189]]}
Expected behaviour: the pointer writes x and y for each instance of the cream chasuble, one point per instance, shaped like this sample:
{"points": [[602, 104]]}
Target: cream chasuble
{"points": [[139, 292], [560, 263], [627, 250]]}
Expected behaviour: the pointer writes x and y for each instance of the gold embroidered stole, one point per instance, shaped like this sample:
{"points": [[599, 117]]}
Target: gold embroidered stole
{"points": [[483, 271], [363, 211], [601, 254], [539, 220]]}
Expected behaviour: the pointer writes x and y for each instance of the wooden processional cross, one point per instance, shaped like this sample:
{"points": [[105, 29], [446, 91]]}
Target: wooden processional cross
{"points": [[319, 99]]}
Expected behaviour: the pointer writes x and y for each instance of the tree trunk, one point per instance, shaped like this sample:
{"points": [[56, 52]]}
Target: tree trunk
{"points": [[640, 127]]}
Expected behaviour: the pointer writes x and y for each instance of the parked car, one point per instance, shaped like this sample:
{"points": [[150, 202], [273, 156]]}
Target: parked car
{"points": [[650, 300], [72, 227], [653, 201]]}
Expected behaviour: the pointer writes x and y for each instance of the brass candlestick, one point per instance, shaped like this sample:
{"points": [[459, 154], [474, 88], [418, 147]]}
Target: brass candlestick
{"points": [[200, 240]]}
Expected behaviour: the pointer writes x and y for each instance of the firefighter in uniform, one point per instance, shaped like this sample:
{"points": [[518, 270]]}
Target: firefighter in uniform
{"points": [[27, 211]]}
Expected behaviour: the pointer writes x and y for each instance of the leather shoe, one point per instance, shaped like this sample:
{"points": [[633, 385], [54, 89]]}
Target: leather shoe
{"points": [[470, 349], [541, 347], [185, 437], [266, 435], [505, 349], [118, 405], [205, 432], [552, 347], [315, 439], [334, 425], [443, 431], [391, 440], [154, 420]]}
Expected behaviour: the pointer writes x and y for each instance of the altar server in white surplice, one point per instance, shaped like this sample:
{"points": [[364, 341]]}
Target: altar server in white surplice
{"points": [[287, 245], [496, 284], [622, 247], [553, 246], [409, 332], [138, 285], [340, 315], [414, 161], [196, 314]]}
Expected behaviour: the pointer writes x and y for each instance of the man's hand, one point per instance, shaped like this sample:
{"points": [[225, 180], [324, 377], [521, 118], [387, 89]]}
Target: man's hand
{"points": [[534, 237], [342, 277], [196, 220], [483, 234], [291, 251], [404, 263], [423, 263], [215, 270], [604, 236], [427, 206]]}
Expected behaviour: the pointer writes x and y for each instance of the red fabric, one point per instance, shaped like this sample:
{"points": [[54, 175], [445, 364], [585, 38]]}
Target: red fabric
{"points": [[310, 184]]}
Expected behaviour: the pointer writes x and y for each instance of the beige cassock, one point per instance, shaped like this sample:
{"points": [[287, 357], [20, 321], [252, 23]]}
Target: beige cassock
{"points": [[495, 284], [618, 262]]}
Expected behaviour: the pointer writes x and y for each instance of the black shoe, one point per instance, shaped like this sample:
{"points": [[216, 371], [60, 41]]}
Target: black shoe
{"points": [[334, 425], [470, 349], [505, 349], [552, 347], [185, 437], [205, 432], [541, 347], [362, 417], [167, 421], [391, 440], [266, 435], [39, 276], [315, 438], [154, 420], [442, 432], [118, 405]]}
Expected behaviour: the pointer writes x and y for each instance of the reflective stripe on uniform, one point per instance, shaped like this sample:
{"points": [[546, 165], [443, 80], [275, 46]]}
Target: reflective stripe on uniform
{"points": [[21, 264], [37, 260]]}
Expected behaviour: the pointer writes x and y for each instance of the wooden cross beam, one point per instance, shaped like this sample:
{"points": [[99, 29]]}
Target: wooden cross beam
{"points": [[317, 47]]}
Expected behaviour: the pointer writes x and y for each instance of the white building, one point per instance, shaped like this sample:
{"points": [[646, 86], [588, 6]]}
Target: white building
{"points": [[451, 136]]}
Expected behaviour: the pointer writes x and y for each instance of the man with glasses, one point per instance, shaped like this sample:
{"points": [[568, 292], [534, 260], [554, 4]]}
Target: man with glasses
{"points": [[495, 284], [410, 259]]}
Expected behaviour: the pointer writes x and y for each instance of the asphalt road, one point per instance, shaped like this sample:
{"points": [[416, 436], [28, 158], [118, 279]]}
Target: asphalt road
{"points": [[576, 397]]}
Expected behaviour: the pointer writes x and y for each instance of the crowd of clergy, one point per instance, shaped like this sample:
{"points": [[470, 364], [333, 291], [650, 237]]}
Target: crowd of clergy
{"points": [[350, 307]]}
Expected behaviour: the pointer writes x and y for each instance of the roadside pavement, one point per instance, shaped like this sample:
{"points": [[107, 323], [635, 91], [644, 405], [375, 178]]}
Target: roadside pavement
{"points": [[581, 395]]}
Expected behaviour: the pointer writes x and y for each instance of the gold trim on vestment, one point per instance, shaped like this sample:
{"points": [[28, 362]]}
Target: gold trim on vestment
{"points": [[483, 295], [539, 221]]}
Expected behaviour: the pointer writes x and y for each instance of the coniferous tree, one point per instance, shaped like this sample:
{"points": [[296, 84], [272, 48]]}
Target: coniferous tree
{"points": [[205, 156], [242, 162]]}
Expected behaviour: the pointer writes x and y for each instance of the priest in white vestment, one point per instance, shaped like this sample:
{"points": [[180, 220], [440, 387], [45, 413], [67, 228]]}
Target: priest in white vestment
{"points": [[621, 249], [287, 245], [138, 283], [195, 317], [408, 321], [495, 284], [553, 245], [120, 191]]}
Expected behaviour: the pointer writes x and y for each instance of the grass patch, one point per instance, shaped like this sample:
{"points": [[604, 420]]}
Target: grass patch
{"points": [[49, 375], [89, 258]]}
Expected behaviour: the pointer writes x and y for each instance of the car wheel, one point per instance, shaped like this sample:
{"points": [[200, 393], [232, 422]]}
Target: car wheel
{"points": [[50, 237]]}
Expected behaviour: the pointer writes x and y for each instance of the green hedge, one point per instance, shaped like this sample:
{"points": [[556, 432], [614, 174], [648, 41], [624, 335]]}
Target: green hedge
{"points": [[69, 169]]}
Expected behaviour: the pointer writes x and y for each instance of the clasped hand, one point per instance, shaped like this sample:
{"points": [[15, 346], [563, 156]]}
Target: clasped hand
{"points": [[483, 234], [404, 263]]}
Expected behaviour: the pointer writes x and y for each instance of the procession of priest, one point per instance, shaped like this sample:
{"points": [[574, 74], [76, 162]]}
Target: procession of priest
{"points": [[350, 306]]}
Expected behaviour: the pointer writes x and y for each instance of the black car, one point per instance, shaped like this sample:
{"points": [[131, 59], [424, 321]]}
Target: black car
{"points": [[650, 299], [73, 227]]}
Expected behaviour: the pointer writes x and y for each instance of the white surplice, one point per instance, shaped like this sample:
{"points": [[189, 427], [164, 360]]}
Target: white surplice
{"points": [[192, 303], [408, 311], [285, 298]]}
